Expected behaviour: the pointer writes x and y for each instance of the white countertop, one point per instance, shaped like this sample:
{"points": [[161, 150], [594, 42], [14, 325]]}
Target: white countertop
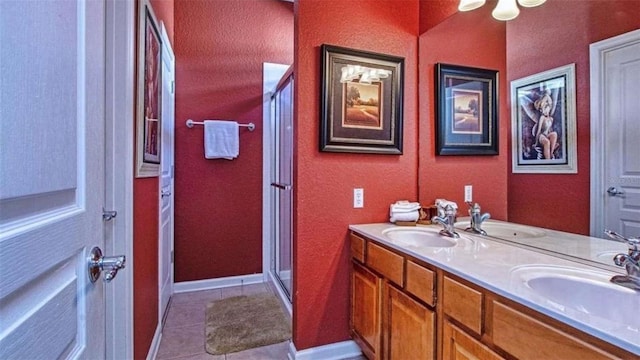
{"points": [[491, 264]]}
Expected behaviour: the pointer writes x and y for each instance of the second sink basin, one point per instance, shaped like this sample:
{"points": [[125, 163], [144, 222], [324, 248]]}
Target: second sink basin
{"points": [[579, 291]]}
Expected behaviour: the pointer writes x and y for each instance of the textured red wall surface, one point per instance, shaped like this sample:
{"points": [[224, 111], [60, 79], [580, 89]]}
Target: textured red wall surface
{"points": [[324, 182], [433, 12], [145, 235], [556, 34], [472, 39], [220, 48]]}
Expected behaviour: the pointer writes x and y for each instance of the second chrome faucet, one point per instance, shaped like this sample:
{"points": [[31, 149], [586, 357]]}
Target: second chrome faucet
{"points": [[477, 218], [447, 218]]}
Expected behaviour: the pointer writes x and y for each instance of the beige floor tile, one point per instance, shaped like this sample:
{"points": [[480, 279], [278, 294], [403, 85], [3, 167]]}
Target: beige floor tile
{"points": [[183, 341], [200, 297], [270, 352], [185, 314]]}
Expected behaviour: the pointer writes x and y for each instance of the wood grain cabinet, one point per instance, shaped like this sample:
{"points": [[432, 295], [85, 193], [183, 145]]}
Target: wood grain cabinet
{"points": [[405, 309], [391, 304], [410, 327], [365, 310]]}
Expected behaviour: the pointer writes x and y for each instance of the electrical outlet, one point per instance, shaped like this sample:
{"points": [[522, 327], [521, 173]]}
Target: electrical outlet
{"points": [[358, 198], [468, 193]]}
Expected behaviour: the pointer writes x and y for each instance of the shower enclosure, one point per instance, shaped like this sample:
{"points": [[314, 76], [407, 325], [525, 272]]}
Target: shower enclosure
{"points": [[278, 173]]}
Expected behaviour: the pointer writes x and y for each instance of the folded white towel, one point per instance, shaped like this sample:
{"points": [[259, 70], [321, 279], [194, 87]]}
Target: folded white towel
{"points": [[404, 206], [221, 139], [405, 216], [442, 203]]}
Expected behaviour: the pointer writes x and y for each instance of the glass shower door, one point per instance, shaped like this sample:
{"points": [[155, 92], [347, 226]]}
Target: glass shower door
{"points": [[282, 182]]}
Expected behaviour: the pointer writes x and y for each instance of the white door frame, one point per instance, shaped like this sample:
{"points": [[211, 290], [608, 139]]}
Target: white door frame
{"points": [[120, 53], [597, 53]]}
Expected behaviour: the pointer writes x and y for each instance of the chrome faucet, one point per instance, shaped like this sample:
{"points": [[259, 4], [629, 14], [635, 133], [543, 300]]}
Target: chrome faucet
{"points": [[630, 261], [447, 218], [477, 218]]}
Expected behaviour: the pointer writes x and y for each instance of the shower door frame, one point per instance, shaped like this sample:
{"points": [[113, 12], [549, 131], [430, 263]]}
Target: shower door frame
{"points": [[273, 74]]}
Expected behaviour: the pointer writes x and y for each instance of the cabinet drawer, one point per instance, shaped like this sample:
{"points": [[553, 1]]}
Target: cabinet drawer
{"points": [[385, 262], [357, 247], [463, 304], [541, 340], [420, 282]]}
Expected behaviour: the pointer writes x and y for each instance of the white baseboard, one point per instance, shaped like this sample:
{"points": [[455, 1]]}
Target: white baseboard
{"points": [[335, 351], [186, 286], [155, 343]]}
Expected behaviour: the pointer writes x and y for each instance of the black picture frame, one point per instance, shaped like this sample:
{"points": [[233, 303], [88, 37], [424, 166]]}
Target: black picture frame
{"points": [[362, 101], [466, 110]]}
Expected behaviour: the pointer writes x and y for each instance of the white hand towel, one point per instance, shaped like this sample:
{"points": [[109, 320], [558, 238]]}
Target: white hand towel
{"points": [[404, 206], [405, 216], [221, 139]]}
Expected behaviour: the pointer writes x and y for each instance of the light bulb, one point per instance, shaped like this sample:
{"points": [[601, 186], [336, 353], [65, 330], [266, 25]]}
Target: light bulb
{"points": [[506, 10], [468, 5], [531, 3]]}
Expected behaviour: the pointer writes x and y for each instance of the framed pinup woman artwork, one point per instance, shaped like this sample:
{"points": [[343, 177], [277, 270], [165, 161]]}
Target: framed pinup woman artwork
{"points": [[543, 122], [361, 101], [149, 107], [466, 117]]}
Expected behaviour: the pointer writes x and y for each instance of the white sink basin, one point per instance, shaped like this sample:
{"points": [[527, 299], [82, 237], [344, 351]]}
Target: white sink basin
{"points": [[579, 291], [425, 237], [507, 231]]}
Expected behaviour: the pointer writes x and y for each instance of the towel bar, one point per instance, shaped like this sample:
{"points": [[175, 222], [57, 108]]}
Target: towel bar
{"points": [[251, 126]]}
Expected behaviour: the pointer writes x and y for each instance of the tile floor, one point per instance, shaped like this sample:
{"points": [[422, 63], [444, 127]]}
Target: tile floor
{"points": [[183, 335]]}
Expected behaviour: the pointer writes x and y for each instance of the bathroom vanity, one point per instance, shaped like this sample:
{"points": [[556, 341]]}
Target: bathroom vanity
{"points": [[418, 295]]}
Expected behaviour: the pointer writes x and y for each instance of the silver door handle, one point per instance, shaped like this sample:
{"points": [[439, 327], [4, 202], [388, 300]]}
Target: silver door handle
{"points": [[613, 191], [165, 193], [281, 186], [98, 263]]}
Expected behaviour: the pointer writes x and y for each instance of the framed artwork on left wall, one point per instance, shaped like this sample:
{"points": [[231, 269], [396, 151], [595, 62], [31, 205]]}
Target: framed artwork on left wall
{"points": [[149, 109], [361, 104]]}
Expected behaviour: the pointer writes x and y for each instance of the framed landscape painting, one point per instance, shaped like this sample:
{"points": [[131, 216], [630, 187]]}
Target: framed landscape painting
{"points": [[361, 109], [466, 115]]}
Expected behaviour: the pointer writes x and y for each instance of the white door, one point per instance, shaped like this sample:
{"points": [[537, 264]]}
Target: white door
{"points": [[615, 79], [166, 175], [52, 90]]}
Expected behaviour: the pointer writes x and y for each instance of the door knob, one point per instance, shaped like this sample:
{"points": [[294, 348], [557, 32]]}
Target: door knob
{"points": [[165, 193], [613, 191], [99, 263]]}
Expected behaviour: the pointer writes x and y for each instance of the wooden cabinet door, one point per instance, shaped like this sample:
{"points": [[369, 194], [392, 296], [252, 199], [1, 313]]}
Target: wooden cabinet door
{"points": [[365, 310], [409, 327], [457, 345]]}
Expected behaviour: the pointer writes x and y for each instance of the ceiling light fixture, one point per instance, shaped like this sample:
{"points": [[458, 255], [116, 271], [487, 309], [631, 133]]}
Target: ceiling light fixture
{"points": [[505, 10], [467, 5]]}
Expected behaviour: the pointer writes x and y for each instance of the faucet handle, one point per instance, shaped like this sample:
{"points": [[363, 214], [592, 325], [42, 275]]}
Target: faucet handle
{"points": [[474, 208], [633, 243]]}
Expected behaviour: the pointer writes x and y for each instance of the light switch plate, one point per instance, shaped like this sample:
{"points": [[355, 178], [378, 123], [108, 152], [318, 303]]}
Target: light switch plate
{"points": [[468, 193]]}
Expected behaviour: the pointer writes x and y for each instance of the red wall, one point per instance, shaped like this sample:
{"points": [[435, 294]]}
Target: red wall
{"points": [[553, 35], [220, 48], [324, 182], [433, 12], [471, 39], [145, 236]]}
